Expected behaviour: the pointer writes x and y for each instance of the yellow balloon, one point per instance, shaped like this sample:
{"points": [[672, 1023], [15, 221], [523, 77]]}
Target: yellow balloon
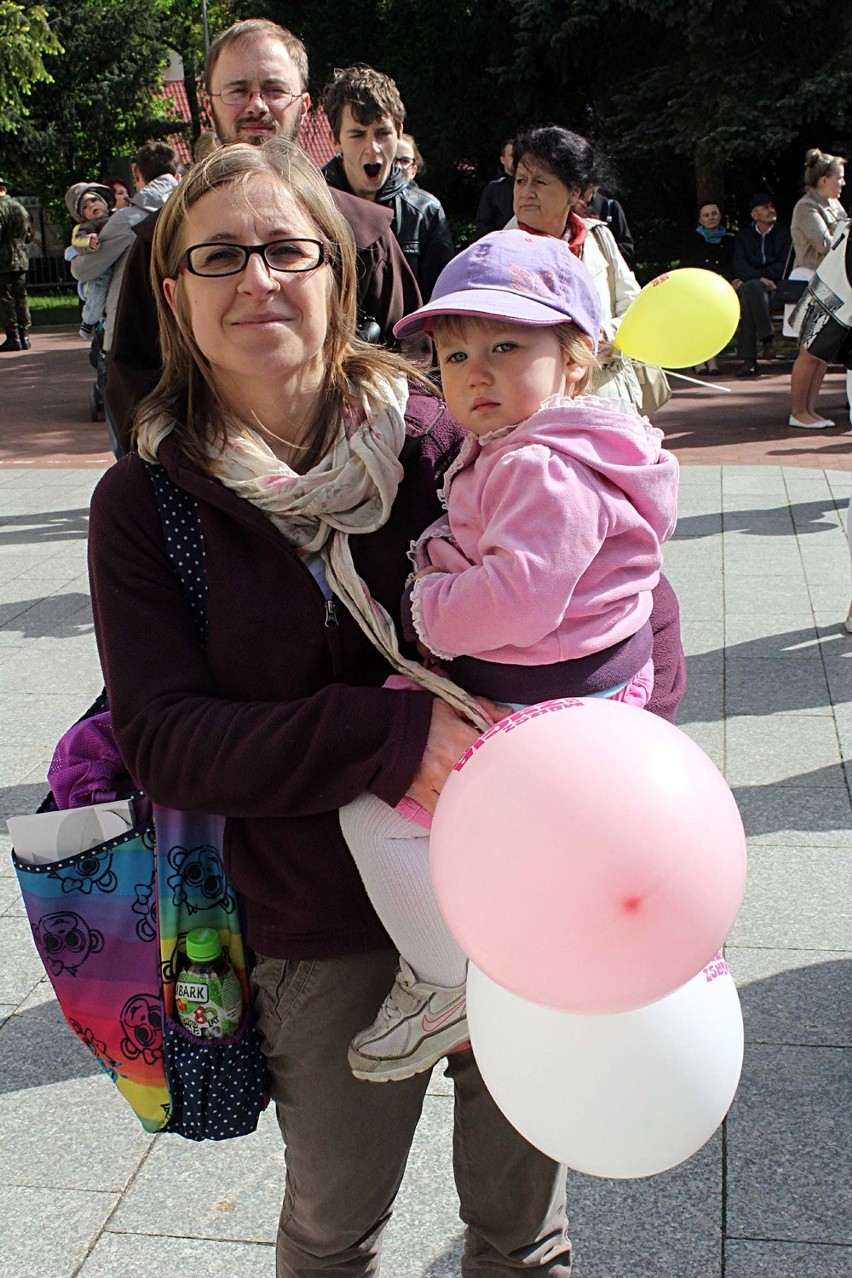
{"points": [[682, 318]]}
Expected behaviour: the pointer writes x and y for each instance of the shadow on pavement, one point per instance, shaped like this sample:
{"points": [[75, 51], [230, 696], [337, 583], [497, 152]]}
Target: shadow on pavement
{"points": [[37, 1048], [54, 525], [58, 616], [814, 803], [781, 521], [761, 690]]}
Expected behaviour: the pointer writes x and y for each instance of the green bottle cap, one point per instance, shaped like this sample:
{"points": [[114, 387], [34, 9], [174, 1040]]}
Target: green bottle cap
{"points": [[203, 944]]}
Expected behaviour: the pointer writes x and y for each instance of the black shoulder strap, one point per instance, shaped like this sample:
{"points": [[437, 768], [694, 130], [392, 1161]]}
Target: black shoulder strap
{"points": [[180, 516]]}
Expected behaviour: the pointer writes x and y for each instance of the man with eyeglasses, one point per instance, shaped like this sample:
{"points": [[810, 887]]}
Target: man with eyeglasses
{"points": [[408, 158], [256, 76], [260, 73]]}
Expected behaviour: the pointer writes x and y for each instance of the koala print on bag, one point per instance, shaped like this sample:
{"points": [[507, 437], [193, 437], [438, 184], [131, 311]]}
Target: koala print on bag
{"points": [[142, 1021], [65, 941], [91, 871], [199, 873]]}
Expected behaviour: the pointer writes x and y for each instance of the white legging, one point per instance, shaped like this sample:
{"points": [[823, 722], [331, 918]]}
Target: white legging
{"points": [[392, 856]]}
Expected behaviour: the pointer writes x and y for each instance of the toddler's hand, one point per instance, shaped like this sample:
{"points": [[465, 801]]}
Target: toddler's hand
{"points": [[94, 242]]}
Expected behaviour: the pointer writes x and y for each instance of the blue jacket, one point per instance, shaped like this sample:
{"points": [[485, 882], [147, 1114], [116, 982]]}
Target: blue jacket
{"points": [[759, 256]]}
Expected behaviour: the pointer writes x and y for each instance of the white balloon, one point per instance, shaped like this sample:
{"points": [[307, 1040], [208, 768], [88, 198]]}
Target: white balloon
{"points": [[624, 1095]]}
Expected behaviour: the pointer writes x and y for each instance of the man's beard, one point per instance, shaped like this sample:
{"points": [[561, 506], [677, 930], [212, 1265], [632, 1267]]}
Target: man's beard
{"points": [[231, 132]]}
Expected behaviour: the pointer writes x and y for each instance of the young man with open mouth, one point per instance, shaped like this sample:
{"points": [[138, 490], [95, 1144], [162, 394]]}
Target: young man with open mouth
{"points": [[366, 115]]}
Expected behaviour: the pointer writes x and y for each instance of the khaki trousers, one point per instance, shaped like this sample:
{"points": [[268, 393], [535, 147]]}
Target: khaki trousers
{"points": [[347, 1141]]}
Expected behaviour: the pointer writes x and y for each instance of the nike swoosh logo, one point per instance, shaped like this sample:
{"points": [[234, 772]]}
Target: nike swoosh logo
{"points": [[431, 1023]]}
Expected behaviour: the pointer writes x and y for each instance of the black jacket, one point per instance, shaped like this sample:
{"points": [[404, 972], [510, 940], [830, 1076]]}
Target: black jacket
{"points": [[419, 222], [612, 215], [495, 206], [759, 256], [696, 251]]}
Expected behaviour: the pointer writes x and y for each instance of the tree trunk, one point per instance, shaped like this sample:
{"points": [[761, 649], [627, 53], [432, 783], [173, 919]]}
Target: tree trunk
{"points": [[709, 179], [191, 85]]}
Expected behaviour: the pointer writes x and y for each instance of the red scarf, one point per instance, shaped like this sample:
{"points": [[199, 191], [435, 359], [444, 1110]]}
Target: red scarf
{"points": [[574, 234]]}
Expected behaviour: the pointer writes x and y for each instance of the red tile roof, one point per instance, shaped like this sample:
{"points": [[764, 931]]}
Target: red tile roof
{"points": [[314, 131], [174, 93], [315, 136]]}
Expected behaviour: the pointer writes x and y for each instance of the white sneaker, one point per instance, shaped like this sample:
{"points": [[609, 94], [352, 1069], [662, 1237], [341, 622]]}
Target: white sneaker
{"points": [[417, 1024]]}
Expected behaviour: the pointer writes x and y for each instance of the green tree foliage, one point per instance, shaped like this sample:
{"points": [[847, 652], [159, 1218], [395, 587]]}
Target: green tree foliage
{"points": [[97, 104], [25, 40], [686, 97], [95, 101], [692, 99]]}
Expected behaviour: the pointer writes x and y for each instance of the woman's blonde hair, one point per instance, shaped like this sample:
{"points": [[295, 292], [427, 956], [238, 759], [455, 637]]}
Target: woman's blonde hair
{"points": [[574, 344], [185, 402], [819, 164]]}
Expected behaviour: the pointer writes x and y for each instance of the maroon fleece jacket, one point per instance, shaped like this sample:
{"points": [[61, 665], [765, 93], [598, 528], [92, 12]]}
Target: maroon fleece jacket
{"points": [[282, 719]]}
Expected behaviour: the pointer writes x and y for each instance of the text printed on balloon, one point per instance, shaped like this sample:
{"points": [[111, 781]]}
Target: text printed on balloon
{"points": [[515, 721], [718, 967]]}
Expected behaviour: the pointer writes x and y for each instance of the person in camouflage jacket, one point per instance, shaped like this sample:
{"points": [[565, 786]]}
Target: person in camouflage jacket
{"points": [[14, 234]]}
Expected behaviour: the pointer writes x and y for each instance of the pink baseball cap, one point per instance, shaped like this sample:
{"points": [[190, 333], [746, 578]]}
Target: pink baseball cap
{"points": [[515, 276]]}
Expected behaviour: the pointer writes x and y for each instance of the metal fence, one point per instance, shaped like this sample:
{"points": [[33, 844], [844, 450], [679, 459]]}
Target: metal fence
{"points": [[47, 271], [49, 275]]}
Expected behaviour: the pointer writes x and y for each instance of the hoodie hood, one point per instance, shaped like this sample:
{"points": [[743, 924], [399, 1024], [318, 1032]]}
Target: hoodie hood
{"points": [[75, 193], [154, 195], [610, 438]]}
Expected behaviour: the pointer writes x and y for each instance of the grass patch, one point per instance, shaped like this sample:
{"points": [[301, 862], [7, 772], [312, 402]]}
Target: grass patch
{"points": [[63, 309]]}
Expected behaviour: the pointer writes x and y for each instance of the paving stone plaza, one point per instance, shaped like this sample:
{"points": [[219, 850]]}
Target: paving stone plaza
{"points": [[761, 566]]}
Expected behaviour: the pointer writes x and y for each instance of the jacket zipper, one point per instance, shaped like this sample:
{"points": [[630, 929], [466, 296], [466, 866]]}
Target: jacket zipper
{"points": [[332, 630], [265, 528]]}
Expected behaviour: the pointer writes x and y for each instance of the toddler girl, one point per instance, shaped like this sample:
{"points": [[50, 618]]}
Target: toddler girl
{"points": [[536, 585]]}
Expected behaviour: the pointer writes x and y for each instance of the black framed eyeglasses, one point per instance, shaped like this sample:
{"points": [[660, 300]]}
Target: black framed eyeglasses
{"points": [[290, 256], [273, 95]]}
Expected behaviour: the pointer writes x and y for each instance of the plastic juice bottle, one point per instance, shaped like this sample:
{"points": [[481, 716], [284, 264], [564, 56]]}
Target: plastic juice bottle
{"points": [[208, 996]]}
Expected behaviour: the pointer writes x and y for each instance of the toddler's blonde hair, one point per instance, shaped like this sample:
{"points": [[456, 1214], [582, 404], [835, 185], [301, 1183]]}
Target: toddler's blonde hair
{"points": [[573, 342]]}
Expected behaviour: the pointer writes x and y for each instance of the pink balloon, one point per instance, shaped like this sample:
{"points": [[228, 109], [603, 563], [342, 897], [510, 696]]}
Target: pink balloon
{"points": [[588, 856]]}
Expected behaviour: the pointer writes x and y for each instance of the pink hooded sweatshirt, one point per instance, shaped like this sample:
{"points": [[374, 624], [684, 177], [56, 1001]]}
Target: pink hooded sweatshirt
{"points": [[551, 545]]}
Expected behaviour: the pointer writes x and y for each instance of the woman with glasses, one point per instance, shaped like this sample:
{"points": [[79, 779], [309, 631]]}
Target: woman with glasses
{"points": [[314, 460], [409, 159]]}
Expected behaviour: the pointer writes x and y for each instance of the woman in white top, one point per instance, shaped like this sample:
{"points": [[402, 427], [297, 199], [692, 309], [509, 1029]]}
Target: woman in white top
{"points": [[816, 220], [553, 167]]}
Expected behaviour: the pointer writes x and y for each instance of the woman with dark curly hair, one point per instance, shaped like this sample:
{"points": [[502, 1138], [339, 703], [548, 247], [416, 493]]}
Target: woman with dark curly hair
{"points": [[553, 168]]}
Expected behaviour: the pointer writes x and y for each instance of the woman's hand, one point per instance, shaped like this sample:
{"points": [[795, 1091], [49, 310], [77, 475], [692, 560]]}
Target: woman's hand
{"points": [[449, 737]]}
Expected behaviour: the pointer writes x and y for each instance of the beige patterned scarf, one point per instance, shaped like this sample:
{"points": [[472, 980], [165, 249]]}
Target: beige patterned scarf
{"points": [[350, 491]]}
